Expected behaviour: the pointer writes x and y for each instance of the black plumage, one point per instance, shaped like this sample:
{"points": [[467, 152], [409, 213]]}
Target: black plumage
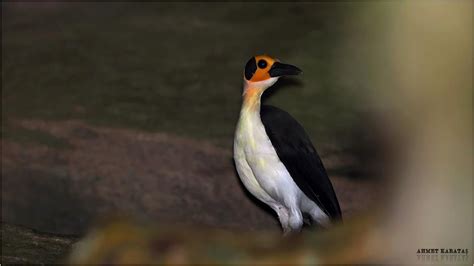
{"points": [[297, 153]]}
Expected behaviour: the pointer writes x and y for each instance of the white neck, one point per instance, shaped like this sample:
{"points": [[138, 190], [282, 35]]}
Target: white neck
{"points": [[252, 94]]}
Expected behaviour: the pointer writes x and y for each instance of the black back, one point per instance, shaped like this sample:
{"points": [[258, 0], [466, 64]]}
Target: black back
{"points": [[295, 150]]}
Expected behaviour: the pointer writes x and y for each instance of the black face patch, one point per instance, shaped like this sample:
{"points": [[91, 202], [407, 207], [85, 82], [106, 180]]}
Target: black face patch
{"points": [[250, 68], [262, 63]]}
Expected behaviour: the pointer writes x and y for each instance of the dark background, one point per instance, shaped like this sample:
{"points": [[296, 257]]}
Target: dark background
{"points": [[130, 108]]}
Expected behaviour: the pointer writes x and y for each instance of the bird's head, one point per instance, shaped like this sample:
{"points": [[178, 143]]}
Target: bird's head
{"points": [[262, 71]]}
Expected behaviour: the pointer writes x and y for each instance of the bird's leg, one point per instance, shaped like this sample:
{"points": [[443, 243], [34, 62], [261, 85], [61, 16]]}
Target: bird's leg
{"points": [[295, 219], [283, 216], [291, 219]]}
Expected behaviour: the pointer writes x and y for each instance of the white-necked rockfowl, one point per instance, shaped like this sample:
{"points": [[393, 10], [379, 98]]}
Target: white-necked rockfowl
{"points": [[274, 156]]}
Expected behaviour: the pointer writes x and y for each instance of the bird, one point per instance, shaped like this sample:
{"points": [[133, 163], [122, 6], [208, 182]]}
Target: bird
{"points": [[274, 156]]}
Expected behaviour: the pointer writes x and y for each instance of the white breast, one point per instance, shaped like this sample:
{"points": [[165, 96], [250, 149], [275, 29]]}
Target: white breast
{"points": [[267, 178], [258, 164]]}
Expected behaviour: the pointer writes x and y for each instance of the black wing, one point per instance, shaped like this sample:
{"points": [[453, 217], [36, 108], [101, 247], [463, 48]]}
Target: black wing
{"points": [[295, 150]]}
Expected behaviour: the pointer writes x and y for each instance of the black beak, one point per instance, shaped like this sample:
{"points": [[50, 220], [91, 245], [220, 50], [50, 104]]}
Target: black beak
{"points": [[278, 69]]}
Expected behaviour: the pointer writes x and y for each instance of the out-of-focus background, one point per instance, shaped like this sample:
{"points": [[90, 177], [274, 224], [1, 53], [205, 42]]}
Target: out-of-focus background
{"points": [[129, 109]]}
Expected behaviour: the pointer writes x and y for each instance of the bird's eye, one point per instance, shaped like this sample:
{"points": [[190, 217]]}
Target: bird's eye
{"points": [[262, 63]]}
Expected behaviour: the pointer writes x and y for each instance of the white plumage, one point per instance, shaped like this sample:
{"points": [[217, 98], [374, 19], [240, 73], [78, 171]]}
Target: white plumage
{"points": [[265, 176]]}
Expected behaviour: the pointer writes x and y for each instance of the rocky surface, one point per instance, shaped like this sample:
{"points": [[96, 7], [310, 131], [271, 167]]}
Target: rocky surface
{"points": [[149, 176], [110, 171]]}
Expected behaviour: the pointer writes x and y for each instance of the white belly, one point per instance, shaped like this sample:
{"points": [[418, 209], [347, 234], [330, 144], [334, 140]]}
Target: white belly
{"points": [[266, 177], [259, 166]]}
